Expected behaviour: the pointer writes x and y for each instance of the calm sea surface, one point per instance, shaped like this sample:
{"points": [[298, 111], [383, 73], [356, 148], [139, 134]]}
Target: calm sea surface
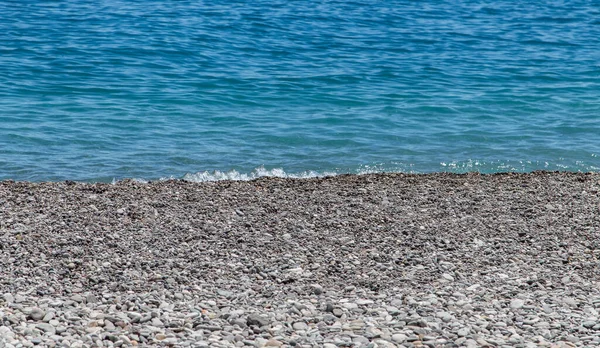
{"points": [[102, 90]]}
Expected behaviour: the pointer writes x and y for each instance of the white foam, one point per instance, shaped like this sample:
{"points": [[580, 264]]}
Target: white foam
{"points": [[259, 172], [451, 166]]}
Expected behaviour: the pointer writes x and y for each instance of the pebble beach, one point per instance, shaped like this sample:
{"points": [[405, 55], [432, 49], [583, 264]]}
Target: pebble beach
{"points": [[376, 260]]}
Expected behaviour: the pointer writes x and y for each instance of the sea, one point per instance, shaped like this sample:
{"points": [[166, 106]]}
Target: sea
{"points": [[103, 90]]}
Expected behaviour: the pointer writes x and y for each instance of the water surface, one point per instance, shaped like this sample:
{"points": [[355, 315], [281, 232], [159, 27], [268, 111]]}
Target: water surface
{"points": [[103, 90]]}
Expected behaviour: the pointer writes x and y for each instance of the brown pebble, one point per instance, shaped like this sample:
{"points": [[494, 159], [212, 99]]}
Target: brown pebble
{"points": [[273, 343]]}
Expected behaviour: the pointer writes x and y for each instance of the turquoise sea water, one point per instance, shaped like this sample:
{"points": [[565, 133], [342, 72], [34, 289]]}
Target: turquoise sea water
{"points": [[102, 90]]}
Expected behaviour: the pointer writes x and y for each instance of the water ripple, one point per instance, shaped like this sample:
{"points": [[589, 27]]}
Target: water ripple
{"points": [[113, 89]]}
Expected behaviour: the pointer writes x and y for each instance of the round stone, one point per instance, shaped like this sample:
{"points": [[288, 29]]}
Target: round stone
{"points": [[517, 303], [37, 314], [399, 338], [300, 325], [317, 289], [46, 328]]}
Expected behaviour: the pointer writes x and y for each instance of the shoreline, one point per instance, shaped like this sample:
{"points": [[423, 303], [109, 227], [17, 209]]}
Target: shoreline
{"points": [[308, 175], [386, 260]]}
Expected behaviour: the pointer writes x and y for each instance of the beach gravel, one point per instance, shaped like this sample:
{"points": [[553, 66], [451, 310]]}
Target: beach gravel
{"points": [[377, 260]]}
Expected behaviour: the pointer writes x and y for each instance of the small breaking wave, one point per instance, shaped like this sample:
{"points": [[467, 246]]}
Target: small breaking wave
{"points": [[484, 167], [259, 172]]}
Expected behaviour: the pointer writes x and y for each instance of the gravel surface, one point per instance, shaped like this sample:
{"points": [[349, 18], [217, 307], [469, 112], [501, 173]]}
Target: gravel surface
{"points": [[382, 260]]}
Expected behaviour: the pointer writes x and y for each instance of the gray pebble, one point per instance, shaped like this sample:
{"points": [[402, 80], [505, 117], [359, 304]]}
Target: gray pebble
{"points": [[37, 314], [46, 328], [257, 320], [317, 289], [299, 325], [517, 303], [399, 338]]}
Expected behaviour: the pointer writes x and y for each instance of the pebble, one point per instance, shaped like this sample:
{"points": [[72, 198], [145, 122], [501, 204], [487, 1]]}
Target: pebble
{"points": [[257, 320], [463, 332], [517, 303], [246, 264], [300, 325], [36, 314], [273, 343], [317, 289], [46, 328], [399, 338]]}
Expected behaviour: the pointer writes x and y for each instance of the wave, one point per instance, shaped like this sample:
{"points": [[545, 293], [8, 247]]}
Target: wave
{"points": [[258, 172], [451, 167]]}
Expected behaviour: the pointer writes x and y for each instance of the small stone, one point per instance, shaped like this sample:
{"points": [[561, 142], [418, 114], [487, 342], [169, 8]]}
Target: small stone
{"points": [[589, 324], [448, 277], [135, 317], [360, 340], [470, 343], [90, 298], [384, 344], [77, 298], [473, 287], [570, 301], [19, 298], [273, 343], [515, 338], [93, 329], [317, 289], [300, 325], [338, 312], [108, 325], [9, 298], [445, 316], [399, 338], [125, 339], [350, 305], [46, 328], [6, 332], [517, 303], [463, 332], [37, 314], [160, 336], [482, 342], [49, 316], [257, 320], [418, 323]]}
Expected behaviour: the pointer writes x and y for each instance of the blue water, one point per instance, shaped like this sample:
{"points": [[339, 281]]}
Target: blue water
{"points": [[110, 89]]}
